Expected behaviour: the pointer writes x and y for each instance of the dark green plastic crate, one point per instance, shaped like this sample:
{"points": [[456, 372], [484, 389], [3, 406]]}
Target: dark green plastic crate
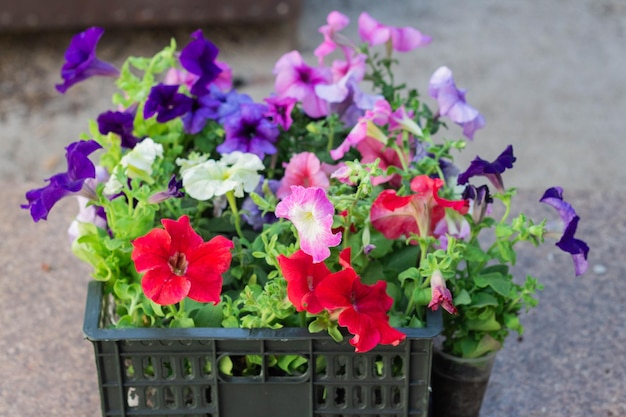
{"points": [[174, 372]]}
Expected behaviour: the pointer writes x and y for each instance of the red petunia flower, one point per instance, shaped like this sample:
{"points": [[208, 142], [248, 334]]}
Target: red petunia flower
{"points": [[361, 308], [303, 276], [418, 213], [178, 263]]}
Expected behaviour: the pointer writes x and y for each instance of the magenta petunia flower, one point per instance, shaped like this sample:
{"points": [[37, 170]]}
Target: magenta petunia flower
{"points": [[279, 110], [81, 61], [294, 78], [452, 104], [178, 263], [402, 39], [312, 214], [491, 170], [79, 169], [568, 243], [304, 169]]}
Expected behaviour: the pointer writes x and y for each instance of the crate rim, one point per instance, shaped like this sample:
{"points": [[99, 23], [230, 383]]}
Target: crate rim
{"points": [[94, 333]]}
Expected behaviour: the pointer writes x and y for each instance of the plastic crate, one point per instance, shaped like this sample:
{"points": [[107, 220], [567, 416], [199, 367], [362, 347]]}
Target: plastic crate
{"points": [[175, 372]]}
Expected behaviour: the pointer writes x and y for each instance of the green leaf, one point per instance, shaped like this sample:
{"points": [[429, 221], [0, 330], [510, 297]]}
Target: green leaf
{"points": [[462, 298], [206, 315], [483, 299], [499, 283], [182, 323], [487, 323]]}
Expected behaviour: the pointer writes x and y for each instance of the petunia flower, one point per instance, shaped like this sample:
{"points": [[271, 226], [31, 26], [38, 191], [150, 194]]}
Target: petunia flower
{"points": [[568, 243], [279, 110], [452, 104], [491, 170], [198, 57], [346, 98], [178, 263], [79, 169], [441, 295], [361, 308], [335, 22], [224, 81], [418, 213], [166, 102], [251, 213], [402, 39], [249, 131], [173, 191], [81, 61], [294, 78], [312, 214], [372, 150], [205, 179], [120, 123], [87, 213], [302, 276], [304, 169], [480, 198]]}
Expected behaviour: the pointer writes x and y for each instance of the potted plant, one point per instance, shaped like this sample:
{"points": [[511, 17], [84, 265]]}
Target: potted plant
{"points": [[294, 251]]}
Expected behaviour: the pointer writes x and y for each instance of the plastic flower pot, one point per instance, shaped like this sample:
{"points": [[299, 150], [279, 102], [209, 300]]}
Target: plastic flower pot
{"points": [[193, 372], [459, 384]]}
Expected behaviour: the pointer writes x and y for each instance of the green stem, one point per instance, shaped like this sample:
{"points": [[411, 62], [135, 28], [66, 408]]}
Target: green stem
{"points": [[230, 196]]}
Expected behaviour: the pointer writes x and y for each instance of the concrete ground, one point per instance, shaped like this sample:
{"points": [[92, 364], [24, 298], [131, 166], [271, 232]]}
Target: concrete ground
{"points": [[549, 78]]}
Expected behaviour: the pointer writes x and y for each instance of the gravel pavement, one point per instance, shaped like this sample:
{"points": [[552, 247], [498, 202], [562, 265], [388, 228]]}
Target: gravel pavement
{"points": [[549, 77]]}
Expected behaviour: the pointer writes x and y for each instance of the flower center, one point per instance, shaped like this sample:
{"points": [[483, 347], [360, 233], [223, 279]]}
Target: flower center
{"points": [[178, 264]]}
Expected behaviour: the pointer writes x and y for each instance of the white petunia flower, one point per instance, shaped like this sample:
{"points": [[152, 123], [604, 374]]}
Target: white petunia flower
{"points": [[236, 171]]}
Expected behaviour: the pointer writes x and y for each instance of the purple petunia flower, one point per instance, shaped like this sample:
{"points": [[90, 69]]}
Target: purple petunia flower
{"points": [[81, 62], [346, 98], [491, 170], [173, 191], [198, 57], [120, 123], [481, 200], [250, 211], [195, 120], [167, 103], [568, 243], [79, 169], [249, 131], [451, 101]]}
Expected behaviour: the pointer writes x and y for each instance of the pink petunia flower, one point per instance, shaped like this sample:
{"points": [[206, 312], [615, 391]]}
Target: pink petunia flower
{"points": [[294, 78], [335, 22], [303, 169], [312, 214], [178, 263], [402, 39], [371, 150], [441, 295]]}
